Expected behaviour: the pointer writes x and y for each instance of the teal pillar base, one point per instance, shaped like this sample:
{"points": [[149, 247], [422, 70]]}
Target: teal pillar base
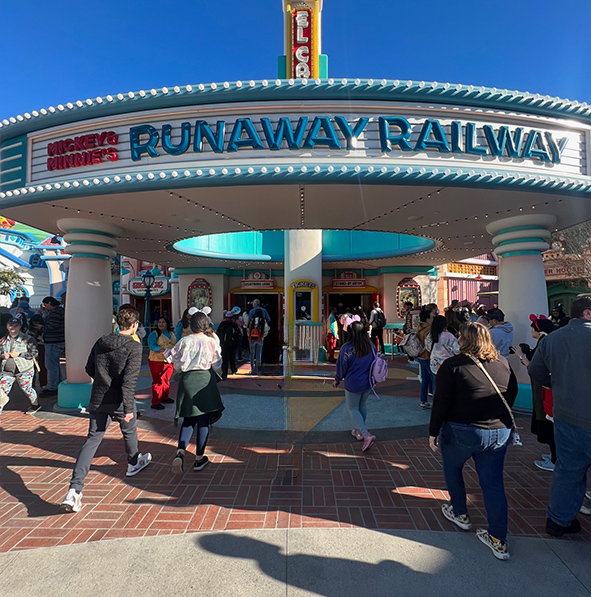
{"points": [[524, 399], [73, 395]]}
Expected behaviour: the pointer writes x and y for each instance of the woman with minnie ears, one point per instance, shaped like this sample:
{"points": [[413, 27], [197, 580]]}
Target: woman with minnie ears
{"points": [[541, 426]]}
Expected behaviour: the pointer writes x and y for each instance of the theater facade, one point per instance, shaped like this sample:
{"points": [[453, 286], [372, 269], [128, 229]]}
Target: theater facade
{"points": [[302, 188]]}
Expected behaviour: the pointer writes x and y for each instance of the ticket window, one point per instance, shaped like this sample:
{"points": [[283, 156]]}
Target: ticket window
{"points": [[303, 306]]}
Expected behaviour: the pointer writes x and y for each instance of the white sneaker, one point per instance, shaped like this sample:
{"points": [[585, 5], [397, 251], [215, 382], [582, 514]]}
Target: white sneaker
{"points": [[142, 462], [72, 502], [586, 507]]}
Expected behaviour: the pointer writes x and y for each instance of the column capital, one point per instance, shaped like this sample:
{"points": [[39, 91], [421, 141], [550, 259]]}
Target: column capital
{"points": [[90, 238], [521, 235]]}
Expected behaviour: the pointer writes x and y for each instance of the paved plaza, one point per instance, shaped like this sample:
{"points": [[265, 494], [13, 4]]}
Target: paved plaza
{"points": [[283, 513]]}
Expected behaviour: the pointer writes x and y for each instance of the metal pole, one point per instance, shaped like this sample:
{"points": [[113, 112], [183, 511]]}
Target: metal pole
{"points": [[147, 322]]}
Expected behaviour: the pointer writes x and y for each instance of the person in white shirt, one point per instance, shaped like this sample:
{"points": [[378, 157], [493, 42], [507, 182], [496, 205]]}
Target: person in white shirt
{"points": [[198, 399]]}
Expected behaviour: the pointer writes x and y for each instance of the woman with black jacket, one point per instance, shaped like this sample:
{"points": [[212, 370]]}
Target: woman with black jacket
{"points": [[472, 417]]}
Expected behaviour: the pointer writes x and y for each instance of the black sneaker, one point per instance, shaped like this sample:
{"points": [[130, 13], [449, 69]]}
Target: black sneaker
{"points": [[557, 530], [201, 463], [158, 406], [33, 408], [168, 401]]}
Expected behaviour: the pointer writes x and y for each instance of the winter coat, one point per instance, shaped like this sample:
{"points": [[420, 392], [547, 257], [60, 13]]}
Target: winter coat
{"points": [[25, 346], [114, 364]]}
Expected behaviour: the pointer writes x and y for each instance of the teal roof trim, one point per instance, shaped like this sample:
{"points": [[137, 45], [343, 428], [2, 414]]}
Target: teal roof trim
{"points": [[311, 173], [13, 163], [297, 90]]}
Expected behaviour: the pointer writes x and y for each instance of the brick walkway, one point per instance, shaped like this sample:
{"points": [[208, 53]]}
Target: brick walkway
{"points": [[396, 485]]}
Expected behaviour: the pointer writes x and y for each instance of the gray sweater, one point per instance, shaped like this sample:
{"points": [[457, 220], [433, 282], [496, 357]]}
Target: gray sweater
{"points": [[563, 362]]}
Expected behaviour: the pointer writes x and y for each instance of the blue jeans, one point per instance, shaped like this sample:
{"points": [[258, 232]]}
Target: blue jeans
{"points": [[488, 448], [357, 405], [427, 379], [256, 354], [53, 353], [573, 451]]}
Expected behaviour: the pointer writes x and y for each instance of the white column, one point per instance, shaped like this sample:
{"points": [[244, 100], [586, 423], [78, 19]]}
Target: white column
{"points": [[175, 299], [519, 242], [303, 264], [92, 245]]}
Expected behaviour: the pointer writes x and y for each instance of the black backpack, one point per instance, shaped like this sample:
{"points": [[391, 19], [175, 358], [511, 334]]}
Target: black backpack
{"points": [[380, 319], [256, 326], [227, 332]]}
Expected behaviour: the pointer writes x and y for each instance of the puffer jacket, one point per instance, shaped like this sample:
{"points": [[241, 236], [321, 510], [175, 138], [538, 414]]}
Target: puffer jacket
{"points": [[114, 364], [25, 346]]}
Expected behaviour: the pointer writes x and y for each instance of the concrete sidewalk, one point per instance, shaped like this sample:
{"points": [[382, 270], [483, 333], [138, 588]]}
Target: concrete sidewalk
{"points": [[298, 562]]}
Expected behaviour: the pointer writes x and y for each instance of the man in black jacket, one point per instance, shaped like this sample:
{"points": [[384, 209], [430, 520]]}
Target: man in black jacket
{"points": [[54, 340], [114, 364]]}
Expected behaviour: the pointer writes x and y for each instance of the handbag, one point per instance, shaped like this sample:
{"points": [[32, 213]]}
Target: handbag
{"points": [[516, 439]]}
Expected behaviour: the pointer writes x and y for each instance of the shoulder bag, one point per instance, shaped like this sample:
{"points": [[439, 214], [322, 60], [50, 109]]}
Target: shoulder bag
{"points": [[516, 439]]}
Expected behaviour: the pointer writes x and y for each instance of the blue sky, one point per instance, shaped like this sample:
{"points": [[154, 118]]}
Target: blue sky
{"points": [[55, 52]]}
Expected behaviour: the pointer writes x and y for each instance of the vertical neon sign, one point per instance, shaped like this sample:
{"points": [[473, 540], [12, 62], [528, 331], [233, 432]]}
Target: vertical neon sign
{"points": [[303, 56]]}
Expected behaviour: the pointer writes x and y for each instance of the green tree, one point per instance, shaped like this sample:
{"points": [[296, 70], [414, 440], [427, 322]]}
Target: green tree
{"points": [[9, 281]]}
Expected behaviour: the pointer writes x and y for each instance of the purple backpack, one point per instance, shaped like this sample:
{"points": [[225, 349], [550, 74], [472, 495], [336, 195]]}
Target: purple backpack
{"points": [[378, 372]]}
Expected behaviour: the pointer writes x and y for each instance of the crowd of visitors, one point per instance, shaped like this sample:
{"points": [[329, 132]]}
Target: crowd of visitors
{"points": [[32, 343], [463, 362]]}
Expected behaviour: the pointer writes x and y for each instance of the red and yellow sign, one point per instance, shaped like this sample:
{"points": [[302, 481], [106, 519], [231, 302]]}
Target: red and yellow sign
{"points": [[303, 39]]}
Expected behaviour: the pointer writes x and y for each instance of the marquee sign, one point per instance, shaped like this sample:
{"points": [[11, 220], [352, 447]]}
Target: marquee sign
{"points": [[349, 280], [136, 287], [206, 137], [257, 281]]}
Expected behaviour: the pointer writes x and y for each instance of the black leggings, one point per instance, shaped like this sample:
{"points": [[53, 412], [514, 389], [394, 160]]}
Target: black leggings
{"points": [[186, 432]]}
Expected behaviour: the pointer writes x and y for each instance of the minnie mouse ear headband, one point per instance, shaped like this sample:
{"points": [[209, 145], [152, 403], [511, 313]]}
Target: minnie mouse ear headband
{"points": [[206, 310], [193, 310], [535, 319]]}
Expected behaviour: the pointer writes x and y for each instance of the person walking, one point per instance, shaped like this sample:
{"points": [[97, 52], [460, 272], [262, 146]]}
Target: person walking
{"points": [[229, 334], [377, 322], [426, 317], [541, 426], [198, 399], [563, 362], [258, 320], [54, 339], [353, 365], [501, 331], [159, 341], [18, 352], [114, 366], [472, 418]]}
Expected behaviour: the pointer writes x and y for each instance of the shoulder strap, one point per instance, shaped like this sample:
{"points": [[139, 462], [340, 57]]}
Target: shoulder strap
{"points": [[495, 386]]}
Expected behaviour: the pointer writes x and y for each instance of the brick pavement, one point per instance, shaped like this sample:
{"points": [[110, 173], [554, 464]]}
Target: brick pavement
{"points": [[396, 485]]}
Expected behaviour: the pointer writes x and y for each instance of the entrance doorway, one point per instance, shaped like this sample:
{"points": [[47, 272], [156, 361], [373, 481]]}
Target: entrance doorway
{"points": [[273, 303], [349, 301]]}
